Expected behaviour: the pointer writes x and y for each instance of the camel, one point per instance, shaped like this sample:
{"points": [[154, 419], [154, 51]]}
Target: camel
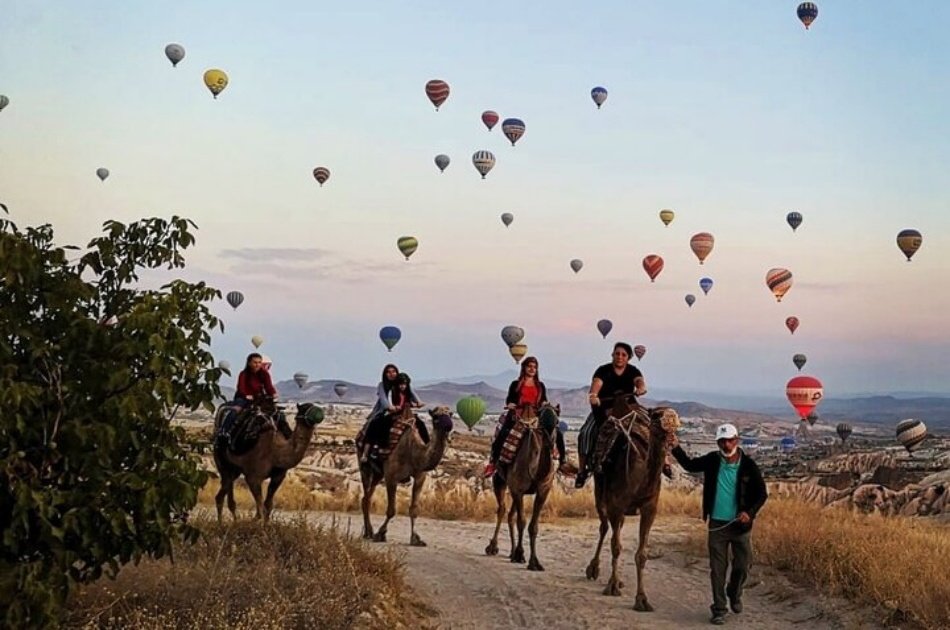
{"points": [[628, 482], [410, 459], [270, 458], [531, 472]]}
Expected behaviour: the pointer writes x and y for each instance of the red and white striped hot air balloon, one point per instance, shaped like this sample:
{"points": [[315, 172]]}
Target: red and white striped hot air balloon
{"points": [[437, 91], [779, 282], [804, 393], [702, 245], [653, 265]]}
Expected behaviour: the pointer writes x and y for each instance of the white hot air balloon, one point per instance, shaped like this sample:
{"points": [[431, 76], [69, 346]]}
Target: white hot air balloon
{"points": [[257, 340], [301, 379]]}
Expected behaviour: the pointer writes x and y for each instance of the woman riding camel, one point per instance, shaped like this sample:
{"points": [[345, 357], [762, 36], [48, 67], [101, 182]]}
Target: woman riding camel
{"points": [[400, 397], [253, 382], [386, 384], [527, 390]]}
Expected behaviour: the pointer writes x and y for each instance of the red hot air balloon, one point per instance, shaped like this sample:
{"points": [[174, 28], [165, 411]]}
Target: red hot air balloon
{"points": [[490, 118], [321, 174], [653, 265], [437, 91], [804, 393], [779, 282], [792, 324]]}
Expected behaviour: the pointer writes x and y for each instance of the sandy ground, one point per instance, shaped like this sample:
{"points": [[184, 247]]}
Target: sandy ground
{"points": [[472, 590]]}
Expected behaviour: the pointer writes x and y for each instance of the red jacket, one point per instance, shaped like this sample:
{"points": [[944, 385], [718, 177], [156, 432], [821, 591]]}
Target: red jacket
{"points": [[255, 384]]}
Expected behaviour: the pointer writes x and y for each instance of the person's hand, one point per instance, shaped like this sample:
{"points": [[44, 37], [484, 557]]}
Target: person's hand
{"points": [[744, 518], [249, 397], [594, 399], [510, 406], [418, 405], [391, 409], [641, 391]]}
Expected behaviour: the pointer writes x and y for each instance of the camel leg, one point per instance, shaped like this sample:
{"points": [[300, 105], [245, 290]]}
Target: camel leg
{"points": [[593, 569], [511, 525], [390, 510], [614, 584], [647, 514], [272, 487], [492, 548], [414, 539], [255, 487], [517, 552], [533, 563], [369, 487], [226, 483]]}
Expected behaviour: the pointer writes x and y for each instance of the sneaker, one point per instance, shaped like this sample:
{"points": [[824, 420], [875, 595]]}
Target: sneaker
{"points": [[718, 619], [581, 478], [489, 470]]}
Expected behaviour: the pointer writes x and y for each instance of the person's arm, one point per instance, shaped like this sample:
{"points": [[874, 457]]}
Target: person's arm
{"points": [[242, 387], [382, 399], [759, 487], [414, 398], [511, 401], [268, 384], [595, 384], [543, 397], [689, 464], [639, 384]]}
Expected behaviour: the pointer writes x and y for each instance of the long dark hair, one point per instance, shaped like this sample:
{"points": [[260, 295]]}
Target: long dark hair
{"points": [[524, 373], [387, 384], [402, 378], [248, 372]]}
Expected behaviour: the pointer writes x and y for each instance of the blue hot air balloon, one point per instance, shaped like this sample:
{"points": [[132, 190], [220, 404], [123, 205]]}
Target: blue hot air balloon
{"points": [[513, 128], [705, 284], [599, 94], [390, 336], [563, 426], [787, 443]]}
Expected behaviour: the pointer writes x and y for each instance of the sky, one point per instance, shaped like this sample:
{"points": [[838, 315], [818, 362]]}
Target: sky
{"points": [[730, 113]]}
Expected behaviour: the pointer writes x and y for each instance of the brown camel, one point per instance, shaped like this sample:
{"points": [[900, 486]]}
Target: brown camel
{"points": [[270, 458], [410, 459], [530, 472], [628, 482]]}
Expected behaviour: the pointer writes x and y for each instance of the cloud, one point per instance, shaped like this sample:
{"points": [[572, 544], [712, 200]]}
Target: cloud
{"points": [[310, 262], [306, 254]]}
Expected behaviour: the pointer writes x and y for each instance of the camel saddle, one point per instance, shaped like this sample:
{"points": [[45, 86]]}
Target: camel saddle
{"points": [[248, 428], [510, 448], [633, 428], [400, 425]]}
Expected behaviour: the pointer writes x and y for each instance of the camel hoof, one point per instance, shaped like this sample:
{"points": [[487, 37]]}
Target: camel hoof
{"points": [[379, 537], [534, 565], [613, 588], [593, 571], [415, 541], [642, 605], [517, 556], [491, 549], [368, 535]]}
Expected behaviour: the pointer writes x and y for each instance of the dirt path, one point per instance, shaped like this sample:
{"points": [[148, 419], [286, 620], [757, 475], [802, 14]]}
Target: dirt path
{"points": [[472, 590]]}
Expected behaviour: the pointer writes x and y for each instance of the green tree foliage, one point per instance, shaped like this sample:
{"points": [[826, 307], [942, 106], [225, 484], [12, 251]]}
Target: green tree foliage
{"points": [[92, 370]]}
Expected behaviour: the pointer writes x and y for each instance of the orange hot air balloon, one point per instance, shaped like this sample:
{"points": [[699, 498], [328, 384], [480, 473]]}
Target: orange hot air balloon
{"points": [[792, 324], [702, 245], [779, 282], [804, 393], [653, 265]]}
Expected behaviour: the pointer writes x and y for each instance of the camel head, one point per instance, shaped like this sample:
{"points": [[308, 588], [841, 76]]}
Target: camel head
{"points": [[548, 417], [664, 422], [310, 414], [441, 419]]}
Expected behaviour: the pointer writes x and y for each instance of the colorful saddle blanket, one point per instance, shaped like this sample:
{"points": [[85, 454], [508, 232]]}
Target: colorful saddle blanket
{"points": [[400, 426]]}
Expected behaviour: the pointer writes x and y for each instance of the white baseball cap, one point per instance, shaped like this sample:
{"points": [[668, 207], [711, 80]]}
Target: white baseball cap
{"points": [[726, 432]]}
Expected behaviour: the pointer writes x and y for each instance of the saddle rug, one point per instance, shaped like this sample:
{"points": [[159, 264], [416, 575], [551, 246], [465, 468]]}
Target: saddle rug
{"points": [[400, 426], [634, 425]]}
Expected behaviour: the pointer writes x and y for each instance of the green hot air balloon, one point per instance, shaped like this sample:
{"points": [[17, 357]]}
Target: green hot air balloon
{"points": [[407, 245], [470, 409]]}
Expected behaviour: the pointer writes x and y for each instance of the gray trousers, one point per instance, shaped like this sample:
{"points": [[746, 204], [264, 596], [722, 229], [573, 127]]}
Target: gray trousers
{"points": [[719, 544]]}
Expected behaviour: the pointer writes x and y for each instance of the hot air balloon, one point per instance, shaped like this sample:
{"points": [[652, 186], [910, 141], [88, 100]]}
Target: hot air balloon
{"points": [[604, 326], [799, 360], [792, 324], [844, 431], [407, 245], [804, 393], [705, 284], [507, 218], [909, 242], [666, 216], [216, 80], [513, 128], [175, 53], [483, 161], [749, 444], [437, 91], [787, 443], [235, 298], [794, 219], [779, 281], [639, 351], [390, 336], [257, 340], [490, 118], [225, 365], [518, 351], [340, 389], [563, 426], [442, 161], [702, 245], [321, 174], [599, 95], [301, 379], [690, 299], [807, 12], [512, 335], [470, 409], [4, 101], [812, 418], [102, 173], [911, 433], [266, 363], [577, 264], [653, 265]]}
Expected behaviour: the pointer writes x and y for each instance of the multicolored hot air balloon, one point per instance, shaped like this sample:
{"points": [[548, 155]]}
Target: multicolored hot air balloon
{"points": [[407, 245], [442, 162], [577, 264], [804, 393], [513, 128], [340, 389], [794, 219], [507, 218], [639, 351], [235, 298], [702, 244], [911, 434], [909, 241], [321, 174], [470, 409], [490, 118], [844, 431], [484, 161], [604, 327], [653, 265], [666, 216], [390, 336], [807, 12], [175, 53], [437, 91], [517, 351], [799, 360], [690, 300], [215, 80], [512, 335], [103, 174], [257, 340], [301, 379], [705, 284], [4, 101], [599, 95], [792, 324], [779, 281]]}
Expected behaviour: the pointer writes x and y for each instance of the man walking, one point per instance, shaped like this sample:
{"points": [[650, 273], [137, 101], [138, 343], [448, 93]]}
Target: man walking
{"points": [[733, 494]]}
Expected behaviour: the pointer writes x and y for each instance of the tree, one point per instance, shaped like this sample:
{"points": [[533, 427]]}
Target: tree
{"points": [[92, 370]]}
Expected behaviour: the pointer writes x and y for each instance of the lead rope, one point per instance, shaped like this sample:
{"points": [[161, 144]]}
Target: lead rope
{"points": [[716, 529]]}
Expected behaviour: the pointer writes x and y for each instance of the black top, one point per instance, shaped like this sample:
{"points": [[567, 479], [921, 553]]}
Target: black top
{"points": [[613, 383], [749, 483]]}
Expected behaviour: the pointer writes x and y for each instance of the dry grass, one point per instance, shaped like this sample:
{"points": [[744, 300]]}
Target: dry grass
{"points": [[285, 575]]}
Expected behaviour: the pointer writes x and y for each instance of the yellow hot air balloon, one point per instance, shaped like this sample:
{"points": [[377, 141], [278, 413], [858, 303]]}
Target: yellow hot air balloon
{"points": [[407, 245], [216, 80], [518, 351], [257, 340], [666, 216]]}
